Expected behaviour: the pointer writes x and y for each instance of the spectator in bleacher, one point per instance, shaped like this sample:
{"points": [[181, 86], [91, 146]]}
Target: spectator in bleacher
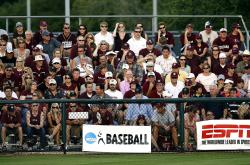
{"points": [[28, 88], [192, 60], [9, 58], [208, 35], [101, 50], [124, 85], [236, 57], [40, 70], [81, 53], [85, 67], [49, 44], [103, 61], [137, 42], [183, 65], [18, 72], [188, 37], [53, 91], [67, 40], [213, 60], [149, 50], [240, 87], [232, 107], [158, 91], [35, 124], [236, 35], [240, 68], [104, 35], [29, 40], [221, 68], [134, 110], [18, 33], [43, 26], [3, 45], [230, 74], [21, 50], [130, 60], [130, 93], [190, 119], [206, 78], [89, 91], [11, 121], [150, 66], [120, 36], [68, 87], [8, 77], [54, 120], [143, 33], [174, 86], [165, 60], [58, 54], [82, 30], [200, 47], [162, 31], [149, 84], [191, 83], [181, 74], [164, 123], [224, 43], [90, 42], [88, 79], [76, 79], [246, 79], [29, 61]]}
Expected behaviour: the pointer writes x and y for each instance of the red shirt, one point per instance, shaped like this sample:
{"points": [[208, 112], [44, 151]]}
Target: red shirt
{"points": [[145, 52], [200, 49], [9, 118], [224, 46]]}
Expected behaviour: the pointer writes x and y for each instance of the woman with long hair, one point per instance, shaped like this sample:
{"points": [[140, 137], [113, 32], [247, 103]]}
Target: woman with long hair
{"points": [[120, 36], [21, 50], [82, 30]]}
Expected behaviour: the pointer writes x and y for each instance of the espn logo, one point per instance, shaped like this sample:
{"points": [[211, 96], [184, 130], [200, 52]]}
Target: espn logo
{"points": [[225, 131]]}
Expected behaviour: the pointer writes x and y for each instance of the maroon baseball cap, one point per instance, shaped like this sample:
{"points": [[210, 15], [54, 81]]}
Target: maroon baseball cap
{"points": [[190, 47], [159, 105], [159, 81], [141, 117], [231, 66], [130, 54], [198, 36], [43, 23], [189, 25], [149, 42], [236, 25], [125, 46], [175, 65], [174, 75]]}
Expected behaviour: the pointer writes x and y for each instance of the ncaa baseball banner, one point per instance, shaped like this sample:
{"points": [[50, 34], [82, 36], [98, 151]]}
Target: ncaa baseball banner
{"points": [[128, 139], [223, 135]]}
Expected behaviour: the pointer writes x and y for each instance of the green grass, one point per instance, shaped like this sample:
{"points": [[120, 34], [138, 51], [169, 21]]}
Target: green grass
{"points": [[204, 158]]}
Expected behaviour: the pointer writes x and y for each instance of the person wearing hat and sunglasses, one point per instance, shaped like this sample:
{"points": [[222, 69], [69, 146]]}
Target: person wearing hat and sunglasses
{"points": [[208, 35], [236, 35], [240, 67], [18, 33]]}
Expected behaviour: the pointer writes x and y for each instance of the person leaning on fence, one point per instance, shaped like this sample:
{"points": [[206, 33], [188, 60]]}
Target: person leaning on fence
{"points": [[163, 123], [140, 108], [35, 125], [54, 120]]}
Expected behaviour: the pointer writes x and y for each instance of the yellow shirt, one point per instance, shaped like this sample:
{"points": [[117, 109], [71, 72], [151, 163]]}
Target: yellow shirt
{"points": [[181, 76]]}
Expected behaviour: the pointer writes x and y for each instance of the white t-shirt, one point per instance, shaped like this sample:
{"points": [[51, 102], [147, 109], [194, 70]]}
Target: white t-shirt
{"points": [[2, 95], [209, 37], [207, 80], [174, 90], [137, 45], [108, 37], [114, 94], [166, 64]]}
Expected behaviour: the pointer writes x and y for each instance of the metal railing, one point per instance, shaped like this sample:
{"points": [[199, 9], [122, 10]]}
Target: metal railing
{"points": [[224, 17], [181, 101]]}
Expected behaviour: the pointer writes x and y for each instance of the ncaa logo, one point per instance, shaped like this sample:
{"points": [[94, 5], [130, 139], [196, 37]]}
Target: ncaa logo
{"points": [[90, 138]]}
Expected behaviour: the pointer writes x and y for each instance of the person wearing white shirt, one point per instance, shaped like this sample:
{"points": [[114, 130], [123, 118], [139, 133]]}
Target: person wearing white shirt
{"points": [[174, 87], [137, 42], [208, 35], [166, 60], [104, 35]]}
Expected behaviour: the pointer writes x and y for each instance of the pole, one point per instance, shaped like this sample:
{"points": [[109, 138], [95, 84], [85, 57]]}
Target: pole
{"points": [[155, 18], [64, 128], [182, 126], [67, 11], [28, 15]]}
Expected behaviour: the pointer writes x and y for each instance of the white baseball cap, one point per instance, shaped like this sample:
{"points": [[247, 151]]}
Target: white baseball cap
{"points": [[108, 74], [222, 55], [113, 81], [56, 60], [38, 58]]}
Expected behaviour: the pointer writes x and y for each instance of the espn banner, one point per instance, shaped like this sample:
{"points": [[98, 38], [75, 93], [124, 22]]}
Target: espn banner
{"points": [[223, 135], [126, 139]]}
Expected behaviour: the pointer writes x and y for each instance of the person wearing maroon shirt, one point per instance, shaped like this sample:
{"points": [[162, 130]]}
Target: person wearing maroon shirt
{"points": [[39, 70], [222, 67], [149, 85], [106, 115], [73, 125], [231, 74], [100, 77], [131, 93], [67, 39], [59, 70], [68, 87], [200, 48], [8, 76], [192, 60], [29, 60], [35, 124], [188, 37], [76, 79], [11, 121], [213, 60], [236, 35], [224, 43], [150, 68], [38, 35], [149, 50], [158, 92], [163, 32]]}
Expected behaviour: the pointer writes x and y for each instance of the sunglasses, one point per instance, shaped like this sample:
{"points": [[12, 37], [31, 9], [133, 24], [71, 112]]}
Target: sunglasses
{"points": [[81, 40], [215, 49], [9, 70], [66, 28], [205, 68], [34, 105], [245, 56], [140, 26], [72, 106], [27, 77], [55, 107], [56, 63], [67, 77], [52, 84], [162, 27], [90, 37], [3, 45], [20, 42], [104, 26], [182, 59], [137, 31], [82, 28]]}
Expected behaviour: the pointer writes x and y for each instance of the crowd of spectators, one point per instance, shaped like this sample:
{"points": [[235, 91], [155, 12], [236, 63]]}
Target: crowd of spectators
{"points": [[120, 65]]}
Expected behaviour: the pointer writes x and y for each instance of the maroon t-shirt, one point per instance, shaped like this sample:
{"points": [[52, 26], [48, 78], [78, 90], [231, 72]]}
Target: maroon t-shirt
{"points": [[235, 39], [129, 94], [218, 69], [70, 88], [145, 52], [39, 75], [154, 94], [18, 78], [146, 87], [78, 82], [234, 77], [194, 63], [67, 41], [157, 75], [74, 51], [35, 120], [200, 49], [169, 36], [9, 118], [224, 46], [214, 62], [99, 78], [191, 38]]}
